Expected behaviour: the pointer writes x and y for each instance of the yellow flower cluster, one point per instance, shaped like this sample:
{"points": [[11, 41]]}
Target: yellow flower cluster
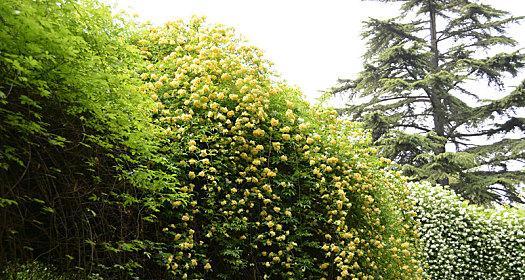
{"points": [[272, 182]]}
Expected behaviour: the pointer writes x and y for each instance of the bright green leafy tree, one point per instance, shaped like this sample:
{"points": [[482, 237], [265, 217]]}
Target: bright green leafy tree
{"points": [[82, 176], [416, 95]]}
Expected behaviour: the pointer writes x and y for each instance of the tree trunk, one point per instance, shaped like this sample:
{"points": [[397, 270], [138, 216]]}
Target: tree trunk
{"points": [[435, 94]]}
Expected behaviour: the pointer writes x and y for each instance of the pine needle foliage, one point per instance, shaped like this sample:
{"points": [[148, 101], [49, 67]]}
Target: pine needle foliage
{"points": [[416, 94]]}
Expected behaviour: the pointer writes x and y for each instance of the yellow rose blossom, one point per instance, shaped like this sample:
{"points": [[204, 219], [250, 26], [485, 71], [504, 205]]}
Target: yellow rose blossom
{"points": [[258, 132], [303, 126]]}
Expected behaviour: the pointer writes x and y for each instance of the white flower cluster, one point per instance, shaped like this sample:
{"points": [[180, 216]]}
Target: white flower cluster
{"points": [[463, 241]]}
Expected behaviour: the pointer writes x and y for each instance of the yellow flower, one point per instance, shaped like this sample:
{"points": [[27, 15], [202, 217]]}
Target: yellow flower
{"points": [[285, 129], [258, 132], [290, 115], [286, 137], [191, 174], [174, 83], [332, 160], [207, 266], [274, 122], [225, 77], [303, 126]]}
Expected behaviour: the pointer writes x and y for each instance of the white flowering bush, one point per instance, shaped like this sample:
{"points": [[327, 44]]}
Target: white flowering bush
{"points": [[464, 241], [276, 189]]}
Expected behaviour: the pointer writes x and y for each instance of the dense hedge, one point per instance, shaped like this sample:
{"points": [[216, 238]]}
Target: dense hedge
{"points": [[82, 171], [173, 152], [464, 241], [277, 189]]}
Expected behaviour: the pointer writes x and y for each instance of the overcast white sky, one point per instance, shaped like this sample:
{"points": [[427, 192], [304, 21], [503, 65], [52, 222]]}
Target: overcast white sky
{"points": [[312, 43]]}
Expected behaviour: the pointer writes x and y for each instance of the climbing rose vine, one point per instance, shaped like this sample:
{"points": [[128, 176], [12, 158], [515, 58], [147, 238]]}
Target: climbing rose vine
{"points": [[276, 189]]}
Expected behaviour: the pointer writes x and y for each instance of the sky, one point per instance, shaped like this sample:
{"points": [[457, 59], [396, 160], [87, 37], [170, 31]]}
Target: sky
{"points": [[310, 42]]}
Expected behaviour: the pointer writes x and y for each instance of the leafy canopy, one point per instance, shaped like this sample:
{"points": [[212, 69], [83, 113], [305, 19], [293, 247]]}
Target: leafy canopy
{"points": [[83, 176]]}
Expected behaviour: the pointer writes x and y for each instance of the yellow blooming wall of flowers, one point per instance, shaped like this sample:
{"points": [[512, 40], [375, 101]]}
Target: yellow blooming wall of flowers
{"points": [[277, 189]]}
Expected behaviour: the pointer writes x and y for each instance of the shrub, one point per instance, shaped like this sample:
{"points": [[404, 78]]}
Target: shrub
{"points": [[208, 167], [32, 271], [82, 176], [277, 189], [464, 241]]}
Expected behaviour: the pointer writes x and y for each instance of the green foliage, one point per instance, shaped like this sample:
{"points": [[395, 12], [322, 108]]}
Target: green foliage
{"points": [[172, 152], [83, 178], [415, 94], [36, 271], [464, 241], [277, 189], [29, 272]]}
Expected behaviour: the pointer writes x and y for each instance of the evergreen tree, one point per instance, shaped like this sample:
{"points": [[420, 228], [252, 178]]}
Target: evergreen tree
{"points": [[419, 91]]}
